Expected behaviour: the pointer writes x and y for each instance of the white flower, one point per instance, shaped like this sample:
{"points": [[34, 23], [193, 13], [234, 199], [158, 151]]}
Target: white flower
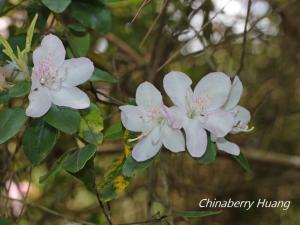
{"points": [[54, 79], [241, 118], [149, 118], [200, 109]]}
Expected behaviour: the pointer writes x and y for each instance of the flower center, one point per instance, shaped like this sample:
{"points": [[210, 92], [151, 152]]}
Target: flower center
{"points": [[155, 114], [47, 75], [197, 106]]}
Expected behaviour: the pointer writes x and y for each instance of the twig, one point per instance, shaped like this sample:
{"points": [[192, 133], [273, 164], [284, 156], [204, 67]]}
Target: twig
{"points": [[154, 22], [113, 101], [176, 53], [104, 209], [26, 194], [243, 53], [145, 2], [156, 220], [132, 53], [47, 210], [83, 222], [278, 159], [253, 154], [151, 185]]}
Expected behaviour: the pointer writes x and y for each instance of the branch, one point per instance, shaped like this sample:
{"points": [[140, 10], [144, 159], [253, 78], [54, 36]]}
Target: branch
{"points": [[106, 214], [156, 220], [47, 210], [125, 47], [154, 22], [176, 53], [83, 222], [278, 159], [113, 101], [242, 59], [252, 154], [145, 2]]}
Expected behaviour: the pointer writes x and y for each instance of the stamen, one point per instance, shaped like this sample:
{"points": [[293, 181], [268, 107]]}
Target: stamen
{"points": [[137, 138]]}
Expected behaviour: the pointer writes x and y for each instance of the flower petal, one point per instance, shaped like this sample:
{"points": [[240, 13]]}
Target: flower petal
{"points": [[71, 97], [177, 85], [241, 119], [147, 147], [175, 116], [215, 88], [76, 71], [147, 95], [243, 115], [219, 122], [51, 50], [132, 118], [39, 102], [173, 139], [196, 138], [227, 146], [235, 94]]}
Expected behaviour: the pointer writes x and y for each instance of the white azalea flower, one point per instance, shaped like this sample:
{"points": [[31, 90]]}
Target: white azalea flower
{"points": [[197, 110], [241, 118], [149, 118], [54, 79]]}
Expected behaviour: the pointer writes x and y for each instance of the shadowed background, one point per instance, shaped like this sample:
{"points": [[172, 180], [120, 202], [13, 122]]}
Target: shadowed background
{"points": [[144, 41]]}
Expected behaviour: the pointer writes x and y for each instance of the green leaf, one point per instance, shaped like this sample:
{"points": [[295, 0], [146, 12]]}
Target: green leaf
{"points": [[7, 50], [4, 96], [57, 6], [38, 141], [29, 35], [80, 44], [100, 75], [92, 15], [87, 175], [20, 89], [11, 121], [131, 166], [115, 131], [210, 154], [122, 3], [54, 169], [77, 27], [4, 221], [131, 101], [243, 162], [91, 125], [76, 160], [64, 119], [17, 40], [114, 181], [195, 214]]}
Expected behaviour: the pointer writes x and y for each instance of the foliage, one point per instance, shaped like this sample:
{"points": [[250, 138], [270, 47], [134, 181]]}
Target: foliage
{"points": [[130, 41]]}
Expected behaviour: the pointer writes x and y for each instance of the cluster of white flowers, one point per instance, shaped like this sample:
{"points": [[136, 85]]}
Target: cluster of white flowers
{"points": [[212, 107], [54, 79]]}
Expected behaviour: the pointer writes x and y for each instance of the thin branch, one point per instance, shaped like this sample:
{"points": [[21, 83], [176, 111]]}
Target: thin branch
{"points": [[26, 194], [48, 210], [125, 47], [145, 2], [113, 101], [252, 154], [154, 22], [83, 222], [104, 209], [177, 52], [156, 220], [243, 53]]}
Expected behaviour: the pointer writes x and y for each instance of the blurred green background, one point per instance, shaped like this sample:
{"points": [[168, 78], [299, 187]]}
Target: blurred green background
{"points": [[137, 40]]}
